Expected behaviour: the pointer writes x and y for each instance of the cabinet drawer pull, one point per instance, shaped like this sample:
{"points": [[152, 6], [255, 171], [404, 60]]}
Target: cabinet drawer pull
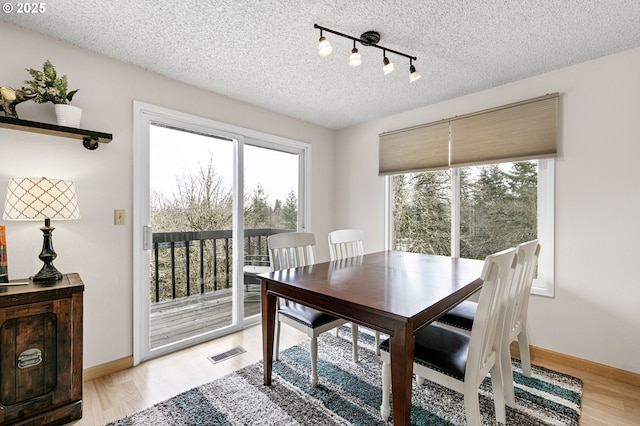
{"points": [[29, 358]]}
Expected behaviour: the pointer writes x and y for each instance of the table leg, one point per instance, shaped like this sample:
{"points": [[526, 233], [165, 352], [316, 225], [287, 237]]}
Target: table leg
{"points": [[268, 306], [402, 346]]}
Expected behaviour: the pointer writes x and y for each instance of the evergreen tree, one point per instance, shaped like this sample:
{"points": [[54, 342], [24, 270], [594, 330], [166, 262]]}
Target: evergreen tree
{"points": [[401, 215], [522, 181], [467, 212], [489, 197], [424, 206], [257, 213], [290, 212], [498, 209]]}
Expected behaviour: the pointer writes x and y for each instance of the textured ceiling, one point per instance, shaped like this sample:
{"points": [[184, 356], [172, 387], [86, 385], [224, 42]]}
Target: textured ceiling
{"points": [[265, 52]]}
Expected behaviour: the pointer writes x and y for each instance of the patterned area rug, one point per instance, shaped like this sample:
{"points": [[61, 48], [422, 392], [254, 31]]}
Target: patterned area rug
{"points": [[350, 393]]}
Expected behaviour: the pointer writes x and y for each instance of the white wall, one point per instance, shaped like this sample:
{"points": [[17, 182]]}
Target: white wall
{"points": [[99, 251], [594, 314]]}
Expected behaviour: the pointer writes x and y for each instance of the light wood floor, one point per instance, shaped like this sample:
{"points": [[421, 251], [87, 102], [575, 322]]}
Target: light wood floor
{"points": [[604, 401]]}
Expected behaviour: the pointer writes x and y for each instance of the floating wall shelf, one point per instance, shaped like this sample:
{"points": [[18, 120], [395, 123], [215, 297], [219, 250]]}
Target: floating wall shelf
{"points": [[89, 138]]}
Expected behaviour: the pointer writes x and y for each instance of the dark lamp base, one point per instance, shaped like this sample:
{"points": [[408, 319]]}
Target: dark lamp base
{"points": [[48, 273]]}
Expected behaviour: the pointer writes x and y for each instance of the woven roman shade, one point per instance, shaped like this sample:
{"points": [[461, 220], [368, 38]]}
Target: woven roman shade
{"points": [[414, 149], [515, 132]]}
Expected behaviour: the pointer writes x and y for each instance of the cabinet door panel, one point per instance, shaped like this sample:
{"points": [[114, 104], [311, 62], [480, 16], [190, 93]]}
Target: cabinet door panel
{"points": [[34, 353], [29, 369]]}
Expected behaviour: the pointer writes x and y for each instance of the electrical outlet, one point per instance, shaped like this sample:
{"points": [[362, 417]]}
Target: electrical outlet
{"points": [[119, 217]]}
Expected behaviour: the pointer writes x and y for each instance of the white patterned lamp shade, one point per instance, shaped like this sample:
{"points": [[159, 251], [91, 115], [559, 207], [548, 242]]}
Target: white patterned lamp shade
{"points": [[40, 198], [37, 199]]}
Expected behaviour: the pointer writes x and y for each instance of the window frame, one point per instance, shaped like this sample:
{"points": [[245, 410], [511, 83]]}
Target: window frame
{"points": [[543, 284]]}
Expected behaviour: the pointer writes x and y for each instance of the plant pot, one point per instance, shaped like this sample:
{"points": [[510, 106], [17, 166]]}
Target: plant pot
{"points": [[68, 115]]}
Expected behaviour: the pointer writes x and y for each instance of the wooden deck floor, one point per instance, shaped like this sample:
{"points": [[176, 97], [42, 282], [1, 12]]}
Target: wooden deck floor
{"points": [[174, 320]]}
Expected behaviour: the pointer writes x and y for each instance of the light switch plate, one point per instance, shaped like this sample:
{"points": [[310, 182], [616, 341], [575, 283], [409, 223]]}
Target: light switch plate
{"points": [[119, 217]]}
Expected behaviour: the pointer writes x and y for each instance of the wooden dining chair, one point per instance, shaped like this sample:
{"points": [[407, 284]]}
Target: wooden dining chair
{"points": [[463, 315], [461, 361], [291, 250], [345, 243], [516, 316]]}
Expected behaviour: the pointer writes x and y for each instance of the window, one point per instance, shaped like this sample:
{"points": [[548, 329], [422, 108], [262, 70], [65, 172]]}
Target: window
{"points": [[474, 211]]}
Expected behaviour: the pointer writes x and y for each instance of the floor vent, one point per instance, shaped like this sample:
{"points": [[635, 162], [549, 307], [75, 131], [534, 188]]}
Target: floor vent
{"points": [[226, 355]]}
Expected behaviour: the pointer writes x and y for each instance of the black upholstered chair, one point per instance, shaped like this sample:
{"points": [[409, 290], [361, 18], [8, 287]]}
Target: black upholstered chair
{"points": [[345, 243], [461, 361], [462, 316], [291, 250]]}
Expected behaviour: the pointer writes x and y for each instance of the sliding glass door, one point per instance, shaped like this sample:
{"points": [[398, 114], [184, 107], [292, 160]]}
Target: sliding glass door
{"points": [[271, 206], [207, 197], [191, 206]]}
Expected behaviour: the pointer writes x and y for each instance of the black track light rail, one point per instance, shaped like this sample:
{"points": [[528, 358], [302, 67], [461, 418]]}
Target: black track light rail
{"points": [[364, 43]]}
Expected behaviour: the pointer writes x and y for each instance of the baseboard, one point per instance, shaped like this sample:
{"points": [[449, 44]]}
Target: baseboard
{"points": [[107, 368], [542, 356]]}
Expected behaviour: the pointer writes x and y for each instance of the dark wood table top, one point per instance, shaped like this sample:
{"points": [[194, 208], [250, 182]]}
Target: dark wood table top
{"points": [[391, 283]]}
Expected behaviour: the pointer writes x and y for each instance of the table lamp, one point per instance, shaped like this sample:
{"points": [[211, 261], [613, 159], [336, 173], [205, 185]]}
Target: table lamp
{"points": [[37, 199]]}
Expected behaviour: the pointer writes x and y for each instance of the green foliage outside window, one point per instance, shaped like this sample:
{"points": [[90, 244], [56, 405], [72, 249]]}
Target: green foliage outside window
{"points": [[498, 209]]}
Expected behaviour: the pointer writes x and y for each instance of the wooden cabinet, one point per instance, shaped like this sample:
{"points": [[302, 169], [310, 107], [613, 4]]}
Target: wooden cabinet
{"points": [[41, 352]]}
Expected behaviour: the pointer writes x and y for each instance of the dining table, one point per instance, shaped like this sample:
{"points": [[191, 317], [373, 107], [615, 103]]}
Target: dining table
{"points": [[394, 292]]}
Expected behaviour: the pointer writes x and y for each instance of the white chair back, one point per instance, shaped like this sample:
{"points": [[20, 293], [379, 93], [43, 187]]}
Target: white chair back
{"points": [[523, 280], [345, 243], [291, 249], [438, 348], [486, 333], [515, 324]]}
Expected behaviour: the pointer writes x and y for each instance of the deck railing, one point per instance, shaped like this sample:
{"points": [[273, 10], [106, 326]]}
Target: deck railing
{"points": [[197, 262]]}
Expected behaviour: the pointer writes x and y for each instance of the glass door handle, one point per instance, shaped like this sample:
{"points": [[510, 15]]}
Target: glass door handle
{"points": [[147, 237]]}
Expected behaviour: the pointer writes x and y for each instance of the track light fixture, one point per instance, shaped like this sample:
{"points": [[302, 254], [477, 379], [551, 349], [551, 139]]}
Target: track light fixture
{"points": [[369, 38]]}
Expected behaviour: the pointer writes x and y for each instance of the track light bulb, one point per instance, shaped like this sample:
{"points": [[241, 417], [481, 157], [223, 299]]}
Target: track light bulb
{"points": [[388, 66], [413, 74], [324, 47], [355, 59]]}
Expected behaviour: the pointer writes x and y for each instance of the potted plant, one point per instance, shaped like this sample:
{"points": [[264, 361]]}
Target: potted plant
{"points": [[49, 87]]}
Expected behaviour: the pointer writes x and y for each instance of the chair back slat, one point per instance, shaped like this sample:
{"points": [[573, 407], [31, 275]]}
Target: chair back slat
{"points": [[345, 243], [291, 249], [517, 307]]}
